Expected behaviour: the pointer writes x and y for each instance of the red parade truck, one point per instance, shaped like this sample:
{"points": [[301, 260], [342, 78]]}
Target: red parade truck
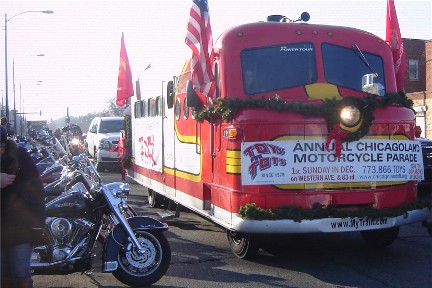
{"points": [[307, 134]]}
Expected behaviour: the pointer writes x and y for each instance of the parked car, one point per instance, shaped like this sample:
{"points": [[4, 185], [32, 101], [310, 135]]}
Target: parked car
{"points": [[425, 186], [102, 139]]}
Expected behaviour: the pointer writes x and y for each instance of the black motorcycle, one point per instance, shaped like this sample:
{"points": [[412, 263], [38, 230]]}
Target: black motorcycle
{"points": [[69, 177], [135, 250], [61, 177]]}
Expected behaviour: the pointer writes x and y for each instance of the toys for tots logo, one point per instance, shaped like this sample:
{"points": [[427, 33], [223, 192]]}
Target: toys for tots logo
{"points": [[263, 156]]}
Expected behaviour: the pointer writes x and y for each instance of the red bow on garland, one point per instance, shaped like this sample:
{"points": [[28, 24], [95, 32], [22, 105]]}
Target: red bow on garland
{"points": [[337, 134]]}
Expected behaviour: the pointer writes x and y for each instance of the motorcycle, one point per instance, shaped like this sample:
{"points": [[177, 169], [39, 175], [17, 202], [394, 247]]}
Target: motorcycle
{"points": [[135, 249], [73, 137], [58, 182], [76, 146], [72, 175], [55, 170], [47, 157]]}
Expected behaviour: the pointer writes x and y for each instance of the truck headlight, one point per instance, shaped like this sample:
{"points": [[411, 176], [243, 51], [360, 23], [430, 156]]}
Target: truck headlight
{"points": [[350, 116], [104, 144]]}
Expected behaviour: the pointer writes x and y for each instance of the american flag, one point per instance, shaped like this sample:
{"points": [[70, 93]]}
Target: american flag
{"points": [[199, 39]]}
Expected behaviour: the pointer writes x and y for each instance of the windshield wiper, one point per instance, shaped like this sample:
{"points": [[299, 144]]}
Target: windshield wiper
{"points": [[363, 59]]}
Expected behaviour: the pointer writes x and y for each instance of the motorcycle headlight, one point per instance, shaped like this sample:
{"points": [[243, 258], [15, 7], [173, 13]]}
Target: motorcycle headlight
{"points": [[104, 144], [350, 116], [75, 142]]}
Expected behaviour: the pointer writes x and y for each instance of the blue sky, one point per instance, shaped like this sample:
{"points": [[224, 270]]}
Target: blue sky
{"points": [[81, 42]]}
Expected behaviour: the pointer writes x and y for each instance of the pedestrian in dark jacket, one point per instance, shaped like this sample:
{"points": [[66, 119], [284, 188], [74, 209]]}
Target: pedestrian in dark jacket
{"points": [[22, 208]]}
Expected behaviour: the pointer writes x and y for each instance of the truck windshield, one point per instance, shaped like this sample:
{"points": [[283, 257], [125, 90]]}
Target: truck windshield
{"points": [[346, 67], [278, 67], [111, 126]]}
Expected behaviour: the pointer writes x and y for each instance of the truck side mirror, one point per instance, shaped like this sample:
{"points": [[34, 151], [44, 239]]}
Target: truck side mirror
{"points": [[170, 94], [192, 97]]}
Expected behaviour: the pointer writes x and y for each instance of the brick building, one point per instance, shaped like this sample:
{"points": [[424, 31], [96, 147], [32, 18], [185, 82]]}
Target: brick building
{"points": [[418, 81]]}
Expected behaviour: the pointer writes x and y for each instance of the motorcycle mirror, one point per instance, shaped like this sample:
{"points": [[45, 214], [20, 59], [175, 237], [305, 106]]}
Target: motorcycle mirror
{"points": [[123, 192]]}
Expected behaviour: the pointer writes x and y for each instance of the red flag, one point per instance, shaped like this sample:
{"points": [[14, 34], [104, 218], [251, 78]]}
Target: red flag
{"points": [[394, 39], [125, 86], [199, 39]]}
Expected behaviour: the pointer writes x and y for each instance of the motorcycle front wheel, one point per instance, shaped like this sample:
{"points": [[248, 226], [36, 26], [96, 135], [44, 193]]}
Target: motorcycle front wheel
{"points": [[144, 269]]}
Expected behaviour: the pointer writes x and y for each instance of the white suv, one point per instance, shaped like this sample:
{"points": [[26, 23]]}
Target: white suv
{"points": [[102, 138]]}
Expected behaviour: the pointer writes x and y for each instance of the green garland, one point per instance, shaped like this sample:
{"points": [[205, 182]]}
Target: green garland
{"points": [[318, 211], [227, 108]]}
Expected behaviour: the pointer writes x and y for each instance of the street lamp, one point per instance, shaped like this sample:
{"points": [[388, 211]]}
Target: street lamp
{"points": [[6, 56]]}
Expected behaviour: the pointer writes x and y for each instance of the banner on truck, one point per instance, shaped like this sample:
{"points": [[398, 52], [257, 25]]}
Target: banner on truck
{"points": [[307, 161]]}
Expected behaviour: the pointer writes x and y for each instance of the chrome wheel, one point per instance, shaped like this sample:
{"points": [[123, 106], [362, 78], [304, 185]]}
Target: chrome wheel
{"points": [[143, 268]]}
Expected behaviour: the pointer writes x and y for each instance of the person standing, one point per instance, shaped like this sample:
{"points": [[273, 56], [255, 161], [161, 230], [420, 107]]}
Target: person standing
{"points": [[4, 121], [22, 208]]}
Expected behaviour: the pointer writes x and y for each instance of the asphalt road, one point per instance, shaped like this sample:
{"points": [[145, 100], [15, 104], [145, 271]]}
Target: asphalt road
{"points": [[201, 258]]}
